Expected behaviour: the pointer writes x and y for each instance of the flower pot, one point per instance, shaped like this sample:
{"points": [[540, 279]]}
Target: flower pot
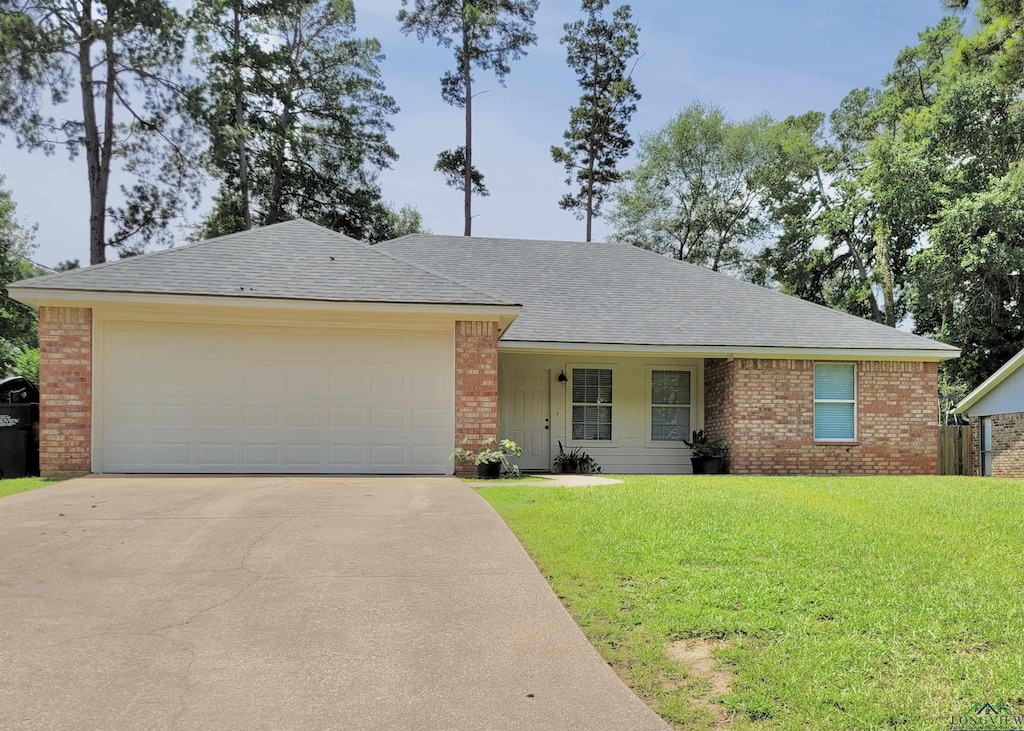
{"points": [[714, 465], [488, 470], [708, 465]]}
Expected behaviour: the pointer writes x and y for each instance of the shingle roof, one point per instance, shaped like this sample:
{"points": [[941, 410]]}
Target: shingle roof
{"points": [[618, 294], [292, 260]]}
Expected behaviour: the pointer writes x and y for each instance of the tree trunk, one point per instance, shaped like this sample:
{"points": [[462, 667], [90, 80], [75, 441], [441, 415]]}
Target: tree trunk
{"points": [[590, 156], [91, 133], [275, 209], [243, 162], [876, 314], [468, 179]]}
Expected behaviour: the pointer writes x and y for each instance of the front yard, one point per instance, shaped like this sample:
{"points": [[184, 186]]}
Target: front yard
{"points": [[843, 603]]}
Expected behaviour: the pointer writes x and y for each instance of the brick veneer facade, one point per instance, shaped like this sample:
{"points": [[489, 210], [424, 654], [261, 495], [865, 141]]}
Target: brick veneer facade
{"points": [[765, 410], [65, 386], [476, 385], [1007, 444]]}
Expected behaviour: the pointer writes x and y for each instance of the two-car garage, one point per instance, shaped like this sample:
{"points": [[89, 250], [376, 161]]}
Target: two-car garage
{"points": [[175, 397]]}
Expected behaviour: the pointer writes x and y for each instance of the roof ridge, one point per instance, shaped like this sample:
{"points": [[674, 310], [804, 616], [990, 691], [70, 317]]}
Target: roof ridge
{"points": [[149, 254], [422, 268]]}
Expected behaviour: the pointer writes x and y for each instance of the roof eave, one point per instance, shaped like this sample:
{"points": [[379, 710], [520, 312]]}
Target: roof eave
{"points": [[1008, 369], [934, 355], [36, 296]]}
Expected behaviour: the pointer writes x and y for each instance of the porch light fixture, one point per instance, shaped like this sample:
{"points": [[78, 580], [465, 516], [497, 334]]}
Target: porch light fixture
{"points": [[562, 379]]}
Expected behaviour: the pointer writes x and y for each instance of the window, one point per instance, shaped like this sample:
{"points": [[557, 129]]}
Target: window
{"points": [[986, 446], [592, 404], [670, 404], [835, 402]]}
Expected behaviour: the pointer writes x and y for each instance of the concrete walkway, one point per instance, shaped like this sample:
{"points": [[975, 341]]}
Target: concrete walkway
{"points": [[557, 480], [285, 604]]}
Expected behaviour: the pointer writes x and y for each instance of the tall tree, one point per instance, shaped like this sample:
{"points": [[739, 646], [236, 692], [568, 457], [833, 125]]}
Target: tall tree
{"points": [[487, 35], [298, 116], [599, 49], [694, 193], [18, 323], [120, 63]]}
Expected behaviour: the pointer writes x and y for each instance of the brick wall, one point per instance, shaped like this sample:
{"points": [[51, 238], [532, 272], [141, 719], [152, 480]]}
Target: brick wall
{"points": [[65, 386], [476, 385], [718, 400], [1007, 445], [771, 430]]}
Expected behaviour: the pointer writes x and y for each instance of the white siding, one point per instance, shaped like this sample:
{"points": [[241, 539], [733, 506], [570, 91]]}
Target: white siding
{"points": [[1006, 398], [628, 452]]}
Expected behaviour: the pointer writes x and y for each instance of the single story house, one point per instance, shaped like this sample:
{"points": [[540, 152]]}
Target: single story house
{"points": [[292, 348], [996, 410]]}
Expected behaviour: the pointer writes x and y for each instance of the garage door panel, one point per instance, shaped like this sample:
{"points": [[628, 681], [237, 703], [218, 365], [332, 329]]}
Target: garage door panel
{"points": [[208, 398]]}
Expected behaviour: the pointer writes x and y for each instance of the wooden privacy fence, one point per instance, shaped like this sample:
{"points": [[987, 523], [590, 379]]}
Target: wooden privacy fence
{"points": [[955, 451]]}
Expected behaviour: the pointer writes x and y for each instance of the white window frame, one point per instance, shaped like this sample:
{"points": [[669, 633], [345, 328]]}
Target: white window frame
{"points": [[649, 405], [816, 401], [569, 368], [981, 445]]}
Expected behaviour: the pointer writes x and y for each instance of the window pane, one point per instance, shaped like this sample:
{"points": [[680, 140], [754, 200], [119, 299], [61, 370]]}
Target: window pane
{"points": [[986, 464], [833, 421], [986, 433], [834, 381], [591, 385], [670, 423], [670, 387], [592, 423]]}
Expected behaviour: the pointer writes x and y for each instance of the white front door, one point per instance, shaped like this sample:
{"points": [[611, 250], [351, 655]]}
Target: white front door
{"points": [[525, 400]]}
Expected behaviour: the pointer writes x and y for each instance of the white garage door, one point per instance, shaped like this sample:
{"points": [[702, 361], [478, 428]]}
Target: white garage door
{"points": [[213, 398]]}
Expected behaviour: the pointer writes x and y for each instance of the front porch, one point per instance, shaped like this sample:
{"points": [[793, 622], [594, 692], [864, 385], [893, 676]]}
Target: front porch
{"points": [[629, 412]]}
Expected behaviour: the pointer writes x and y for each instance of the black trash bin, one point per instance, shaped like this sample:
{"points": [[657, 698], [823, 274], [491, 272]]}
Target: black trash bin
{"points": [[19, 450]]}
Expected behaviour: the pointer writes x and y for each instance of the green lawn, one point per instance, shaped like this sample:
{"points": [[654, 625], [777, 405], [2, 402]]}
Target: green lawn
{"points": [[850, 603], [21, 484]]}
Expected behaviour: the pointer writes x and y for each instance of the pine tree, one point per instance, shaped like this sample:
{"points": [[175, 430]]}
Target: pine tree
{"points": [[599, 50], [486, 34]]}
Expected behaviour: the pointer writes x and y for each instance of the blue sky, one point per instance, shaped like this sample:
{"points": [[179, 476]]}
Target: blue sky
{"points": [[745, 56]]}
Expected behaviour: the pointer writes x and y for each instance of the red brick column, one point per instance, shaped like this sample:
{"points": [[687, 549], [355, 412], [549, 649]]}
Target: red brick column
{"points": [[65, 387], [718, 399], [476, 385]]}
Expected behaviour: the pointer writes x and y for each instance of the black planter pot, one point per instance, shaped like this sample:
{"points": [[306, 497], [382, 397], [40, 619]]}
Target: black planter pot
{"points": [[708, 465], [488, 470]]}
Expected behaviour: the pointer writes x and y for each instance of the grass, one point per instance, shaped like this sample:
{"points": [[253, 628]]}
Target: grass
{"points": [[851, 603], [22, 484]]}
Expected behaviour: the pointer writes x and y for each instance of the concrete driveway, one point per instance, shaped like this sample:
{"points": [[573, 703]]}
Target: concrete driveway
{"points": [[285, 603]]}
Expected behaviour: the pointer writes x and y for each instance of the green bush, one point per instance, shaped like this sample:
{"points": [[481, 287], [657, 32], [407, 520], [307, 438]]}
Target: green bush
{"points": [[26, 364]]}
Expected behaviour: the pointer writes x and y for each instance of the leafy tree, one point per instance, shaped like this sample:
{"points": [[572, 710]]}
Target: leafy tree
{"points": [[103, 78], [598, 50], [487, 35], [67, 265], [26, 365], [19, 330], [305, 126], [402, 222], [695, 190]]}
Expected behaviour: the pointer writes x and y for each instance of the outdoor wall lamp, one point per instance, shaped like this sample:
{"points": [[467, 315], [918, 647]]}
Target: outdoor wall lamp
{"points": [[562, 379]]}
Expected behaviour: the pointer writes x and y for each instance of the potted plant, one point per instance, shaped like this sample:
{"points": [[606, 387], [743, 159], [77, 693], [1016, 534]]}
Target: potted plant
{"points": [[575, 461], [490, 458], [707, 453]]}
